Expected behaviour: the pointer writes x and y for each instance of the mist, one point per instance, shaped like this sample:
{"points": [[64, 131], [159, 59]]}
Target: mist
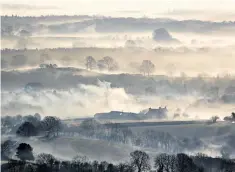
{"points": [[95, 85]]}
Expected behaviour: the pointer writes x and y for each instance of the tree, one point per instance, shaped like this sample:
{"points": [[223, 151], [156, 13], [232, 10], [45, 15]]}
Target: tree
{"points": [[140, 160], [233, 115], [125, 167], [90, 63], [37, 116], [103, 166], [95, 165], [89, 127], [80, 159], [184, 163], [109, 63], [214, 119], [79, 162], [7, 149], [147, 67], [52, 125], [46, 161], [45, 158], [24, 152], [32, 119], [27, 129], [111, 168], [164, 162]]}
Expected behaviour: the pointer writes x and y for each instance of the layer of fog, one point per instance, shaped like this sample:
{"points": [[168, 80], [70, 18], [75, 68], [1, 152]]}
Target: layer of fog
{"points": [[66, 148], [87, 100], [90, 38], [192, 61]]}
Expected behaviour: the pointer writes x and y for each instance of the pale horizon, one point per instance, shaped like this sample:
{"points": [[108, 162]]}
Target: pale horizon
{"points": [[178, 9]]}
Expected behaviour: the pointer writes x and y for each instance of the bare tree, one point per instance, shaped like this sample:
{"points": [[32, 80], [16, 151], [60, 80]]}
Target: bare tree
{"points": [[125, 167], [147, 67], [110, 63], [45, 158], [52, 125], [140, 160], [164, 162], [90, 63]]}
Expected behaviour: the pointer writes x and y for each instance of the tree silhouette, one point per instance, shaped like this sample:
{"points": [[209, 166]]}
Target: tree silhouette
{"points": [[214, 119], [184, 163], [27, 129], [32, 119], [46, 162], [90, 63], [24, 152], [140, 160], [164, 162], [147, 67], [109, 63], [52, 125]]}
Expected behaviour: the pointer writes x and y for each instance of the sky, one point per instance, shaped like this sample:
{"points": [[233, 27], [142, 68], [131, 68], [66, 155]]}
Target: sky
{"points": [[151, 8]]}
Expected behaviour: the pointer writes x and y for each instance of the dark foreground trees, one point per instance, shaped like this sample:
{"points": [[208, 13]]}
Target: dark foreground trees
{"points": [[50, 126], [24, 152], [165, 162], [140, 160]]}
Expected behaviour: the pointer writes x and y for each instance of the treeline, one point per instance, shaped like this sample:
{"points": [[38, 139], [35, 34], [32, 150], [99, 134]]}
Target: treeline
{"points": [[139, 161], [32, 125], [121, 24], [51, 127], [108, 63]]}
